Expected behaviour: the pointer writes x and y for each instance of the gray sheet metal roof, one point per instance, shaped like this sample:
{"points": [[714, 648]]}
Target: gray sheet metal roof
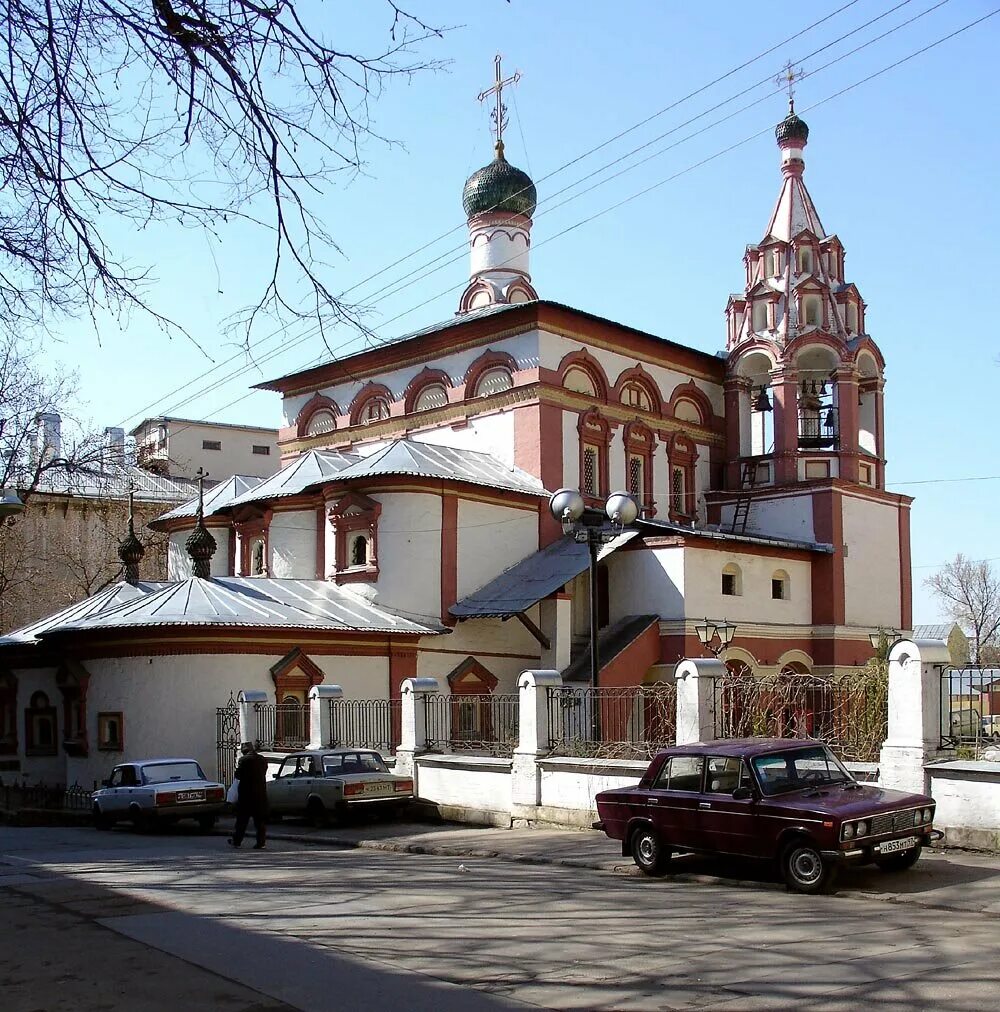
{"points": [[313, 468], [429, 460], [114, 481], [250, 602], [108, 599], [934, 631], [652, 527], [216, 498], [516, 589]]}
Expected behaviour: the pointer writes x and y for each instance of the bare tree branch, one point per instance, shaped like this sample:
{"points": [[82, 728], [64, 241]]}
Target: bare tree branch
{"points": [[970, 593]]}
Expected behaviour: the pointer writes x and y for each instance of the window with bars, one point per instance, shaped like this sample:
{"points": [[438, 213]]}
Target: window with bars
{"points": [[677, 490], [635, 477], [590, 461]]}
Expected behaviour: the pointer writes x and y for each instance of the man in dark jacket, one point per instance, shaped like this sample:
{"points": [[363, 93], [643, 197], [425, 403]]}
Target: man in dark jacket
{"points": [[251, 801]]}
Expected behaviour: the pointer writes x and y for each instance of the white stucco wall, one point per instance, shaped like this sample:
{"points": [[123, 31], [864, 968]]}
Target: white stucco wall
{"points": [[703, 588], [790, 517], [179, 562], [46, 769], [647, 582], [409, 553], [871, 568], [492, 434], [491, 539], [476, 782], [291, 538], [574, 783], [967, 795]]}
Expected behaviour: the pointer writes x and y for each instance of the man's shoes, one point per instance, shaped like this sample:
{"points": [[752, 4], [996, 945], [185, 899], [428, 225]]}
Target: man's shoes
{"points": [[232, 842], [259, 846]]}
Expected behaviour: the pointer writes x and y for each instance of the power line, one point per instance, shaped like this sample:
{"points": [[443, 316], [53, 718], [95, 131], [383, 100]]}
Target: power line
{"points": [[943, 481]]}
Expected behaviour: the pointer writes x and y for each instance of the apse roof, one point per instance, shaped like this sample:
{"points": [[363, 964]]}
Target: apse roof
{"points": [[216, 498], [312, 468], [251, 602]]}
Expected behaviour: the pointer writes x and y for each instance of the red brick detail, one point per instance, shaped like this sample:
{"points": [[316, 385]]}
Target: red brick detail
{"points": [[583, 359], [689, 392], [641, 378], [449, 555], [315, 403], [595, 432], [423, 378], [629, 667], [295, 672], [538, 449], [681, 453], [364, 395], [639, 442], [472, 678], [488, 360], [905, 571], [828, 570]]}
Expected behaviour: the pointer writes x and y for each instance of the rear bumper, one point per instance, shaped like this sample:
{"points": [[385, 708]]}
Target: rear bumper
{"points": [[195, 810], [598, 825]]}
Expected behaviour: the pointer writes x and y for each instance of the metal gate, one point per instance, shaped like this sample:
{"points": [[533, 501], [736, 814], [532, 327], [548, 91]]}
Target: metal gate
{"points": [[970, 706], [227, 739]]}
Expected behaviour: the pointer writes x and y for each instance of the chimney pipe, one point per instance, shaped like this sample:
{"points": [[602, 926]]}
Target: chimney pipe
{"points": [[48, 441]]}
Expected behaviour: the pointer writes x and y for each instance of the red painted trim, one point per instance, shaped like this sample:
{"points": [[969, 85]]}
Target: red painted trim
{"points": [[366, 394], [640, 442], [424, 378], [582, 359], [905, 571], [594, 431], [485, 681], [689, 392], [828, 570], [449, 556], [682, 453], [488, 360], [318, 402], [641, 378], [629, 667]]}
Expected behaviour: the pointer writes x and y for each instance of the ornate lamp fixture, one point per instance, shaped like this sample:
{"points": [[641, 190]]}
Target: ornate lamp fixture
{"points": [[708, 632]]}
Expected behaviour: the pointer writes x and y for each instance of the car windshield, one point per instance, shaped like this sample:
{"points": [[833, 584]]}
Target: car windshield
{"points": [[346, 763], [798, 768], [164, 773]]}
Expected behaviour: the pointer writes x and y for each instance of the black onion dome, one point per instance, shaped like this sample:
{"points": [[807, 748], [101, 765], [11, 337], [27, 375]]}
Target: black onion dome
{"points": [[200, 544], [791, 128], [499, 186], [130, 551]]}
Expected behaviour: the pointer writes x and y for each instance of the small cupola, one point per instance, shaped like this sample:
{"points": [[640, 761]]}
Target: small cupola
{"points": [[500, 187], [130, 549]]}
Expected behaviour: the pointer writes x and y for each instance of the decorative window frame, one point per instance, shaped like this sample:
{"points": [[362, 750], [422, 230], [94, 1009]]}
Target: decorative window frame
{"points": [[694, 395], [471, 679], [639, 377], [348, 516], [253, 525], [585, 361], [369, 393], [682, 455], [294, 675], [425, 378], [73, 687], [316, 404], [106, 721], [488, 360], [640, 443], [8, 713], [594, 431], [33, 712]]}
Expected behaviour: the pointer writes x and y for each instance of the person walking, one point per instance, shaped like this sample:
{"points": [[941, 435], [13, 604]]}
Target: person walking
{"points": [[251, 801]]}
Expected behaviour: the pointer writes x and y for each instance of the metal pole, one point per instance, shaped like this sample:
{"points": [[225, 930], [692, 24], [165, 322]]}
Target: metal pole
{"points": [[593, 542]]}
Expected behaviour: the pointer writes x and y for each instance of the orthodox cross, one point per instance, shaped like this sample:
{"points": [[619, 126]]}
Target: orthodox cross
{"points": [[201, 474], [499, 114], [789, 75]]}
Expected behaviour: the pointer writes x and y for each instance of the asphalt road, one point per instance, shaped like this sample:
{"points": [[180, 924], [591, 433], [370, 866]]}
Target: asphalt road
{"points": [[124, 921]]}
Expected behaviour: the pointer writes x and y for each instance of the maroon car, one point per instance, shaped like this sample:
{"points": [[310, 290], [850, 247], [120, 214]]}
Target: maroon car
{"points": [[769, 798]]}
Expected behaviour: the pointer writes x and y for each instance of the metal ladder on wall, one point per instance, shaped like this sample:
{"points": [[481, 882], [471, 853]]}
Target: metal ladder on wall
{"points": [[748, 481]]}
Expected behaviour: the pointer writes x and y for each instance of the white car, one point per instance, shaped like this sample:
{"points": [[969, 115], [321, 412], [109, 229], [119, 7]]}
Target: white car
{"points": [[324, 782], [158, 792]]}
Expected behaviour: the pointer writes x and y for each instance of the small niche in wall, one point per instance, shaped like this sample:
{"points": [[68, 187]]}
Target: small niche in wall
{"points": [[111, 731]]}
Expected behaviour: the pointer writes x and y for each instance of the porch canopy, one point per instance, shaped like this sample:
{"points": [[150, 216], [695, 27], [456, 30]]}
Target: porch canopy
{"points": [[516, 589]]}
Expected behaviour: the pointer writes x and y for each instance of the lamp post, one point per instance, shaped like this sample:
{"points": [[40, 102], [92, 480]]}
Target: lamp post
{"points": [[588, 527], [881, 639], [10, 503], [708, 632]]}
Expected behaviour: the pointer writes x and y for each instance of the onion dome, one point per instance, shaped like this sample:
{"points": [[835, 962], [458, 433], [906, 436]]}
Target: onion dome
{"points": [[131, 553], [499, 186], [791, 128], [200, 546]]}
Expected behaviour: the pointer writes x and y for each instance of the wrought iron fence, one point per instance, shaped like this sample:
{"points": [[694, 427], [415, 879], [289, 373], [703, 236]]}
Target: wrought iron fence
{"points": [[282, 726], [15, 798], [849, 712], [612, 723], [463, 722], [366, 723], [227, 739], [970, 708]]}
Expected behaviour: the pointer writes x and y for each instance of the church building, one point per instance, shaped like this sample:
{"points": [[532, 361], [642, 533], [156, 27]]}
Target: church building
{"points": [[408, 530]]}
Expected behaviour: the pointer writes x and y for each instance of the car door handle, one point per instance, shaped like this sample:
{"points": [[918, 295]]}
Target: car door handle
{"points": [[704, 804], [652, 801]]}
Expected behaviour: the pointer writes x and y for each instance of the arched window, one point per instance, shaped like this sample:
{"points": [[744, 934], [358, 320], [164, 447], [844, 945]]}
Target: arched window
{"points": [[635, 395], [811, 311], [359, 550], [780, 586], [374, 410], [852, 318], [40, 726], [258, 566], [580, 381], [805, 259], [732, 580], [434, 395], [759, 315], [494, 381], [321, 422]]}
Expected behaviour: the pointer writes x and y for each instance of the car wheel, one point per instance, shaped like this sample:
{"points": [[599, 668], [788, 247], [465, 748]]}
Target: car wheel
{"points": [[804, 869], [649, 853], [901, 861], [206, 823], [316, 813], [102, 821], [141, 822]]}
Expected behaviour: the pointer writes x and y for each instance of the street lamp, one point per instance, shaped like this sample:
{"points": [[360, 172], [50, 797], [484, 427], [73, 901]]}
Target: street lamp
{"points": [[708, 632], [881, 639], [10, 503], [588, 527]]}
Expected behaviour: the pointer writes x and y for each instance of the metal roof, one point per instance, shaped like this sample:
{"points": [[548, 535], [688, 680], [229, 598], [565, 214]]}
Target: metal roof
{"points": [[218, 497], [108, 599], [934, 631], [313, 468], [111, 480], [251, 602], [651, 527], [429, 460], [516, 589]]}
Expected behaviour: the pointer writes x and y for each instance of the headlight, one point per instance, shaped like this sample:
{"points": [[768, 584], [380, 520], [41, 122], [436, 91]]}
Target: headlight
{"points": [[918, 817], [928, 814], [848, 831], [861, 829]]}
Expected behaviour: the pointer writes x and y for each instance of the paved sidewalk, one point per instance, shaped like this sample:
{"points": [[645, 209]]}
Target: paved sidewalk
{"points": [[946, 879]]}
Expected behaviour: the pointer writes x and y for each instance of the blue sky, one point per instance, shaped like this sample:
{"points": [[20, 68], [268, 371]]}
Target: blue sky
{"points": [[903, 168]]}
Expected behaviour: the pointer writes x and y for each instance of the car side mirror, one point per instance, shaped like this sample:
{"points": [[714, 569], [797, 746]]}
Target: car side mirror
{"points": [[742, 794]]}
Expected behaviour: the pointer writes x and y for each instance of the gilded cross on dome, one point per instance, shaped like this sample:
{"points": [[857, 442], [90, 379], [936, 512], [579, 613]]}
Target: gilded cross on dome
{"points": [[499, 114], [789, 75]]}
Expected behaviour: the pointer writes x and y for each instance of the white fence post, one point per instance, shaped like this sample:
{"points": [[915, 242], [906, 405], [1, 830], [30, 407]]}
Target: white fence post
{"points": [[320, 724], [413, 722], [915, 708], [533, 739], [696, 698], [248, 725]]}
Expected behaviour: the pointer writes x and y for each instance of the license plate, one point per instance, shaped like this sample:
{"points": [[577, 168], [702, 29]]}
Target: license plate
{"points": [[190, 796], [378, 789], [891, 846]]}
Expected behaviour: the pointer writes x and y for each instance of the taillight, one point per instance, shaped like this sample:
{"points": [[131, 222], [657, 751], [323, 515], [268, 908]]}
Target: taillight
{"points": [[350, 789], [166, 797], [215, 794], [404, 785]]}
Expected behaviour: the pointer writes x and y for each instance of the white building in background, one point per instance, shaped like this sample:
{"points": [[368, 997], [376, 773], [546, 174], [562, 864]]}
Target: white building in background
{"points": [[179, 447], [407, 532]]}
